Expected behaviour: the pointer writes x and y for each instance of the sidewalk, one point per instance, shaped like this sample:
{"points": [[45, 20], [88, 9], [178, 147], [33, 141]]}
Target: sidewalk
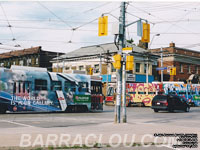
{"points": [[101, 133]]}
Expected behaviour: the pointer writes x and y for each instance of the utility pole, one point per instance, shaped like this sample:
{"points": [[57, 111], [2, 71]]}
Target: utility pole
{"points": [[119, 71], [124, 88]]}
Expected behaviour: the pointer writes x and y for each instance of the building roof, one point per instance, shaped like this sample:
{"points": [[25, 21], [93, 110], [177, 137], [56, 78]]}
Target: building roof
{"points": [[96, 50], [27, 51]]}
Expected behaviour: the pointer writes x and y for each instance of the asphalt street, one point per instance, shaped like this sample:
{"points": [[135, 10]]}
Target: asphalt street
{"points": [[143, 115], [141, 118]]}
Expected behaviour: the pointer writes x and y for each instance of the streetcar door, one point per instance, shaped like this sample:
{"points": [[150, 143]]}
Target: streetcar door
{"points": [[56, 86]]}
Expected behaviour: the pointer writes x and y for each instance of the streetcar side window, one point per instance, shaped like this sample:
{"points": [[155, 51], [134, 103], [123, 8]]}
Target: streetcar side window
{"points": [[70, 86], [14, 88], [56, 85], [96, 87], [83, 87], [40, 84]]}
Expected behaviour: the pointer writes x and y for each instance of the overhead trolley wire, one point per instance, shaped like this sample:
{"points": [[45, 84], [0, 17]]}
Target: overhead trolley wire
{"points": [[54, 14], [9, 25]]}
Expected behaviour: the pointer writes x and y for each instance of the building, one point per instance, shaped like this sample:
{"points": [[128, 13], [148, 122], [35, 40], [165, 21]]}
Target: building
{"points": [[35, 57], [98, 57], [186, 61]]}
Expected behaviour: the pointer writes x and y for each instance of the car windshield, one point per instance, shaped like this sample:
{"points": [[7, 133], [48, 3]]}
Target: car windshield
{"points": [[160, 98]]}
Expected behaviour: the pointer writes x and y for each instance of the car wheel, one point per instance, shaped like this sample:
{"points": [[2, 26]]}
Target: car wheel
{"points": [[155, 110], [187, 109]]}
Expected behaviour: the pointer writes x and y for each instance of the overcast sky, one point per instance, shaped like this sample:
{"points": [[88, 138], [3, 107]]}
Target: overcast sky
{"points": [[65, 26]]}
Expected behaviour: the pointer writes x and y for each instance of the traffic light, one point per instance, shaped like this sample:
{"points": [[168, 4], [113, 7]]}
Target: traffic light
{"points": [[173, 71], [129, 62], [91, 71], [146, 33], [117, 61], [103, 26]]}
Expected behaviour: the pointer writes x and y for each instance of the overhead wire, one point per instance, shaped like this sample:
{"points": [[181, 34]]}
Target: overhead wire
{"points": [[9, 25], [54, 14], [160, 18]]}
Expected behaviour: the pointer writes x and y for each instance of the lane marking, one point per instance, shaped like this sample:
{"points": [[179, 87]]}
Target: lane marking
{"points": [[16, 123]]}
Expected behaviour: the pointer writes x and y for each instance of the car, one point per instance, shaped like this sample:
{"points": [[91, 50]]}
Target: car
{"points": [[170, 103]]}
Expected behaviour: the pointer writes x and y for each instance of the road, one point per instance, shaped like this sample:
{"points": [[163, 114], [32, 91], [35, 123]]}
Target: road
{"points": [[141, 121]]}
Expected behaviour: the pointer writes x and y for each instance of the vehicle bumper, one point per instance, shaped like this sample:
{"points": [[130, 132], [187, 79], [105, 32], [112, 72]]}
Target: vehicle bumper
{"points": [[160, 107]]}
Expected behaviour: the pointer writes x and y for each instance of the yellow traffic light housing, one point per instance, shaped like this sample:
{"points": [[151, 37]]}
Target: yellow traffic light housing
{"points": [[173, 71], [117, 61], [146, 33], [91, 71], [129, 62], [103, 26]]}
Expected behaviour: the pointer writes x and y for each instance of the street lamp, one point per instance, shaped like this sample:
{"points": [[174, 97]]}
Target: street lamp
{"points": [[101, 65], [147, 65]]}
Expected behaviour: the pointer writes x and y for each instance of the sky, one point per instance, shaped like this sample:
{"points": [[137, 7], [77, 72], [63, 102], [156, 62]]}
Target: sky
{"points": [[64, 26]]}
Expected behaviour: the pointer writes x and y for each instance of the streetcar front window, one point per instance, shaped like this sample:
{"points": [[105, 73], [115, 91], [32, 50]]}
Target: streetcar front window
{"points": [[110, 91]]}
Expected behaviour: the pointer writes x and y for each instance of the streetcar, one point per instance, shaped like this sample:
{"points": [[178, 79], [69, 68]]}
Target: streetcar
{"points": [[141, 94], [33, 89]]}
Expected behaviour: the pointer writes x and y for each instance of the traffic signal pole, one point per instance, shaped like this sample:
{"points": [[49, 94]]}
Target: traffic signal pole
{"points": [[124, 88], [119, 71]]}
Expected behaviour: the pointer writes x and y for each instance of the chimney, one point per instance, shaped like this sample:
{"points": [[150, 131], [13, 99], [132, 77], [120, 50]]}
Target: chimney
{"points": [[172, 44]]}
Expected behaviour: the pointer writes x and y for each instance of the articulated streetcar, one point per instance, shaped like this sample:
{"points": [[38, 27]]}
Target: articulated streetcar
{"points": [[32, 89]]}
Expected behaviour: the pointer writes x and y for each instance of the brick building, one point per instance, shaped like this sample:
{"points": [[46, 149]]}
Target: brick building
{"points": [[186, 61], [35, 57]]}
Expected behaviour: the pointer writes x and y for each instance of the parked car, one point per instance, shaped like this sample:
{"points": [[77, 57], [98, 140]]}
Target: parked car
{"points": [[170, 103]]}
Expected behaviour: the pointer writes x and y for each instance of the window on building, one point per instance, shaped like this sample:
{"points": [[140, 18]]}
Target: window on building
{"points": [[189, 69], [145, 68], [73, 68], [181, 68], [29, 62], [137, 68], [40, 84], [21, 62], [112, 68], [67, 68], [196, 69], [36, 61], [96, 68], [81, 67], [25, 62]]}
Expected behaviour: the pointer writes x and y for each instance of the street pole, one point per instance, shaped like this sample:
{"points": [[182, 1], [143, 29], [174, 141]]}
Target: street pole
{"points": [[124, 88], [119, 71], [161, 55], [57, 61], [147, 70], [100, 68]]}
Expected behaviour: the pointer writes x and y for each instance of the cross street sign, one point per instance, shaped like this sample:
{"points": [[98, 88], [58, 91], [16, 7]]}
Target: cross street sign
{"points": [[161, 68]]}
